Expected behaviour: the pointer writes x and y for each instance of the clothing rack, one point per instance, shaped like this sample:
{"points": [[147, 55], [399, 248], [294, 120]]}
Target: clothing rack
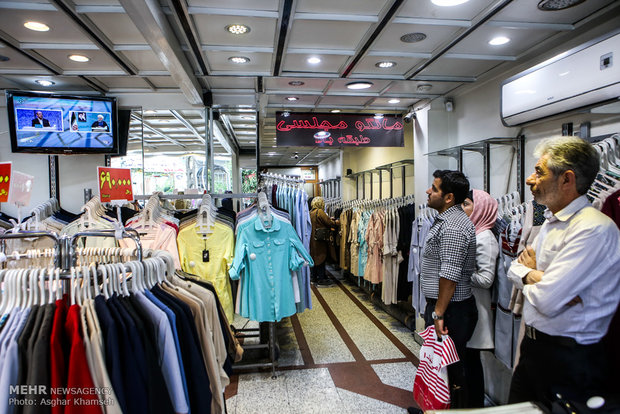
{"points": [[291, 179], [195, 196]]}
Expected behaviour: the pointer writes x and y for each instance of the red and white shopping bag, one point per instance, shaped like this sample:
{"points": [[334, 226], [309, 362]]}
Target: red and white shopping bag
{"points": [[430, 386]]}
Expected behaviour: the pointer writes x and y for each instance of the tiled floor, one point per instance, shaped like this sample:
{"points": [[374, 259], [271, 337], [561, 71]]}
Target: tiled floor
{"points": [[353, 358]]}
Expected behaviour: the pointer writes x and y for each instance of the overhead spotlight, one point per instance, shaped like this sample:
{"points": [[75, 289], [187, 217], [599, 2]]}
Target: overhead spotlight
{"points": [[499, 40], [292, 98], [79, 58], [378, 116], [410, 116], [286, 114], [359, 85], [385, 64], [296, 83], [36, 26], [239, 59], [296, 156], [45, 82], [238, 29], [314, 60], [335, 111], [394, 101]]}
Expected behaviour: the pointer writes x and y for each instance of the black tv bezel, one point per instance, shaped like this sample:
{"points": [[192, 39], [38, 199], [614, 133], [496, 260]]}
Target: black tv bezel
{"points": [[57, 150]]}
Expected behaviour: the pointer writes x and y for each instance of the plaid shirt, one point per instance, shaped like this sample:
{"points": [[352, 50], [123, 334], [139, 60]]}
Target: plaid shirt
{"points": [[449, 252]]}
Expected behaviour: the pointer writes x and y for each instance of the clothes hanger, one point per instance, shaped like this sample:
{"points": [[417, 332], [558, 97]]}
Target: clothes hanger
{"points": [[104, 281]]}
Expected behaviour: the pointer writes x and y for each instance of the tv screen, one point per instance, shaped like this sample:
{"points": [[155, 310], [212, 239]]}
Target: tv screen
{"points": [[61, 124]]}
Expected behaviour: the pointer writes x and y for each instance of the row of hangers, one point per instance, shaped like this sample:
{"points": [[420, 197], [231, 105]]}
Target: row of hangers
{"points": [[206, 215], [153, 213], [379, 203]]}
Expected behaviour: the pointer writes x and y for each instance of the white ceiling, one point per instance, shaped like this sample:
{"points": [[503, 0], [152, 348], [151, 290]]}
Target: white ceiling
{"points": [[184, 46]]}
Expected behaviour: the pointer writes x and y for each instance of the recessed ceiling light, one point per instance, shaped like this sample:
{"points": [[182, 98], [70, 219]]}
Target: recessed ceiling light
{"points": [[296, 83], [335, 111], [79, 58], [424, 87], [239, 59], [394, 101], [378, 116], [292, 98], [36, 26], [499, 40], [412, 37], [238, 29], [551, 5], [314, 60], [359, 85], [45, 82], [385, 64], [448, 3]]}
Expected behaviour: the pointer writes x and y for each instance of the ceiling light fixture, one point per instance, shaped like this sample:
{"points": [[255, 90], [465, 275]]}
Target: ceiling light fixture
{"points": [[499, 40], [412, 37], [552, 5], [394, 101], [335, 111], [292, 98], [359, 85], [424, 87], [238, 29], [36, 26], [45, 82], [314, 60], [79, 58], [378, 116], [296, 83], [448, 3], [385, 64], [239, 59]]}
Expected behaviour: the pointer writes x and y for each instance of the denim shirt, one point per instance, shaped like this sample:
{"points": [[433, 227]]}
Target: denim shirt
{"points": [[264, 259]]}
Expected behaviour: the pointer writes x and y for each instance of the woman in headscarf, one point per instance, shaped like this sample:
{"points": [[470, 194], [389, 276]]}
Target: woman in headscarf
{"points": [[321, 224], [482, 211]]}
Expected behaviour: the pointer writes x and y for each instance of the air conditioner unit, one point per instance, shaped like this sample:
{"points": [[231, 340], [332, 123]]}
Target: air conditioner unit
{"points": [[583, 76]]}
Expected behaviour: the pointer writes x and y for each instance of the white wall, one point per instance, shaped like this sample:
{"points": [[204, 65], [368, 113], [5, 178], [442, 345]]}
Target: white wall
{"points": [[331, 168]]}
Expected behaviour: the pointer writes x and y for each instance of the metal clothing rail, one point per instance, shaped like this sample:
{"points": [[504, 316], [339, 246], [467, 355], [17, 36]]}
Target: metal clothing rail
{"points": [[195, 196], [32, 234]]}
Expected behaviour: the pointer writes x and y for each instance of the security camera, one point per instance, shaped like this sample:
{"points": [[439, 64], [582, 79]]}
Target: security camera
{"points": [[409, 117]]}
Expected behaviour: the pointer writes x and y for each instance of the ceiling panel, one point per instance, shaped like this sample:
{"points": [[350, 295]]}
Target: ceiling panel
{"points": [[368, 65], [336, 101], [389, 40], [231, 82], [123, 82], [163, 81], [316, 84], [302, 100], [362, 7], [527, 11], [17, 61], [295, 63], [383, 103], [426, 9], [259, 62], [458, 67], [118, 27], [212, 30], [411, 87], [62, 29], [144, 59], [62, 83], [520, 41], [237, 4], [322, 34], [99, 60]]}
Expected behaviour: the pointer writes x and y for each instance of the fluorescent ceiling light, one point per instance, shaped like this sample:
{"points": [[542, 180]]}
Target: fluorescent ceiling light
{"points": [[36, 26], [239, 59], [378, 116], [385, 64], [44, 82], [238, 29], [394, 101], [359, 85], [448, 3], [335, 111], [292, 98], [499, 40], [314, 60], [79, 58]]}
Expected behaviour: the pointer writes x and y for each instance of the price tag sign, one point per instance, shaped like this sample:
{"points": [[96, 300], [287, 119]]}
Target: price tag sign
{"points": [[114, 184], [5, 181], [21, 188]]}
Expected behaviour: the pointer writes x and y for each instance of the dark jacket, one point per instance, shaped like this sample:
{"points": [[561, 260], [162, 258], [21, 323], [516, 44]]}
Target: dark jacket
{"points": [[318, 249]]}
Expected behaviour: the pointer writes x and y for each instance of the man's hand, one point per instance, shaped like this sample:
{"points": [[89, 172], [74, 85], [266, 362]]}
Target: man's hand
{"points": [[440, 330], [532, 277], [528, 258]]}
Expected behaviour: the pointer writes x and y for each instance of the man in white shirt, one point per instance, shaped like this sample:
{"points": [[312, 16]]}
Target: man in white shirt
{"points": [[570, 281]]}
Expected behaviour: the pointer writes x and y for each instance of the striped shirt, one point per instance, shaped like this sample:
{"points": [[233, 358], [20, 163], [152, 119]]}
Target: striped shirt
{"points": [[449, 252]]}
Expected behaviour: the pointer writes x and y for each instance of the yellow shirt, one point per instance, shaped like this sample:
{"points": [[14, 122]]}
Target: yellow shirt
{"points": [[220, 246]]}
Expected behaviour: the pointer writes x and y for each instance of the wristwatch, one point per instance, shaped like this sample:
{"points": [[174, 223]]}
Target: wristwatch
{"points": [[436, 317]]}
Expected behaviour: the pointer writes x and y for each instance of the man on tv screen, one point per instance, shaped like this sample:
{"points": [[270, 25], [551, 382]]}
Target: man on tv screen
{"points": [[39, 120], [100, 124]]}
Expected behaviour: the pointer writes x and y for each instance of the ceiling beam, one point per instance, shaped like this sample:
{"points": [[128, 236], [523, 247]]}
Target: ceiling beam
{"points": [[187, 125], [96, 35], [155, 131], [153, 24], [496, 8], [30, 54], [188, 30], [282, 39], [378, 28]]}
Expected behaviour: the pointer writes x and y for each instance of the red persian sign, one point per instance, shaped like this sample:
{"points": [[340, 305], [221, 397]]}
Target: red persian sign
{"points": [[114, 184], [338, 130], [5, 181]]}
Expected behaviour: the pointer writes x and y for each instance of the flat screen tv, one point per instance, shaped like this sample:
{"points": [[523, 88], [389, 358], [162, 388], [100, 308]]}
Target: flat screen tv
{"points": [[62, 124]]}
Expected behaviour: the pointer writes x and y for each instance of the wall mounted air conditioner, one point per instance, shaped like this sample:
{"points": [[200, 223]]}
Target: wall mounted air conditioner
{"points": [[583, 76]]}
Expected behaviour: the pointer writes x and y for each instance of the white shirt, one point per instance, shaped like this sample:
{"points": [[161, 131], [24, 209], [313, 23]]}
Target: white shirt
{"points": [[578, 249]]}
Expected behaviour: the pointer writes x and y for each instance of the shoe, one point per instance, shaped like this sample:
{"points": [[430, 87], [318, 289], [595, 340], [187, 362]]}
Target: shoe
{"points": [[324, 282]]}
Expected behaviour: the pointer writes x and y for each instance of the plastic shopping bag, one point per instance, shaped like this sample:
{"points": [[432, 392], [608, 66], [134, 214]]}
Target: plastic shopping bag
{"points": [[430, 386]]}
